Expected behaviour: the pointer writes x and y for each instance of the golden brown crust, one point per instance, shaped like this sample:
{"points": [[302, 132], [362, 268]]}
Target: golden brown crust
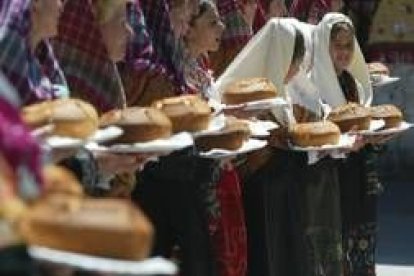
{"points": [[58, 180], [231, 137], [351, 116], [100, 227], [70, 117], [248, 90], [140, 124], [187, 113], [391, 114], [315, 134], [74, 118]]}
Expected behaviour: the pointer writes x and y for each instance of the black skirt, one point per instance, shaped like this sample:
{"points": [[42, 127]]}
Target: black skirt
{"points": [[172, 194], [293, 217]]}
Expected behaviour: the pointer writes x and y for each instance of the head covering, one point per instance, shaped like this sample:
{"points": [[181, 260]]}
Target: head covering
{"points": [[268, 54], [32, 74], [237, 31], [17, 146], [168, 50], [140, 48], [89, 70], [310, 10], [323, 73]]}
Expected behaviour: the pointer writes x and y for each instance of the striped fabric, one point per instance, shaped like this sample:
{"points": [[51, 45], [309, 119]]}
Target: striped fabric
{"points": [[31, 73], [168, 51], [81, 51], [237, 31], [140, 48]]}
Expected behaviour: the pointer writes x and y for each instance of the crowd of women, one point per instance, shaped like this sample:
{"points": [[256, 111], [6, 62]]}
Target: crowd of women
{"points": [[270, 212]]}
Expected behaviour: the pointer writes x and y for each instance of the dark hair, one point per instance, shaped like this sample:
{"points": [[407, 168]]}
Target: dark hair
{"points": [[341, 26], [299, 48], [203, 6]]}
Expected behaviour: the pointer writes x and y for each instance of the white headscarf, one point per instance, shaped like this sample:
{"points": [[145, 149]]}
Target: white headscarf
{"points": [[268, 54], [300, 90], [323, 74]]}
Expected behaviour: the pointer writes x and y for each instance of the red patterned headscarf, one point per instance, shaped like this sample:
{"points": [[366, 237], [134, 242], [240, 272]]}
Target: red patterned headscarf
{"points": [[310, 11], [167, 50], [79, 46], [237, 31], [34, 75]]}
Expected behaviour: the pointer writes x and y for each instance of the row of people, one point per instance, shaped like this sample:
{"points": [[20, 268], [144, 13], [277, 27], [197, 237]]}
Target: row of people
{"points": [[125, 53]]}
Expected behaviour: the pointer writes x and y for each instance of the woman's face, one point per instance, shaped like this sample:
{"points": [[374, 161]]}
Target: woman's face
{"points": [[206, 31], [116, 33], [45, 17], [341, 49]]}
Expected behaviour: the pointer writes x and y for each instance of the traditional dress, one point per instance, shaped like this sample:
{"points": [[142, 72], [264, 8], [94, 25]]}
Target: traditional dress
{"points": [[292, 208], [357, 174], [224, 199], [172, 192]]}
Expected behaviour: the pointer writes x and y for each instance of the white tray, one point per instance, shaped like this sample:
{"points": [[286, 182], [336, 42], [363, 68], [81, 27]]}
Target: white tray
{"points": [[345, 142], [259, 105], [403, 127], [261, 128], [164, 146], [154, 266], [373, 127], [101, 135], [248, 146], [379, 81]]}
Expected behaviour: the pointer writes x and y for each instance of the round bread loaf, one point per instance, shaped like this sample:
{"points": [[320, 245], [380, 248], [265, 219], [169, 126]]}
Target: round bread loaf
{"points": [[59, 180], [140, 124], [70, 117], [74, 118], [187, 113], [98, 227], [315, 134], [231, 137], [249, 90], [391, 115], [351, 116]]}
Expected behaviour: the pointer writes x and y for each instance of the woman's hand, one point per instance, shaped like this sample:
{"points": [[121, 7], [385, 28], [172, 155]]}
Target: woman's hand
{"points": [[279, 138], [359, 143], [110, 164]]}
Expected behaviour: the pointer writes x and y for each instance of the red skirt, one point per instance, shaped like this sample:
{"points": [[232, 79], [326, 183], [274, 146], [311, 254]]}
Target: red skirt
{"points": [[229, 238]]}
